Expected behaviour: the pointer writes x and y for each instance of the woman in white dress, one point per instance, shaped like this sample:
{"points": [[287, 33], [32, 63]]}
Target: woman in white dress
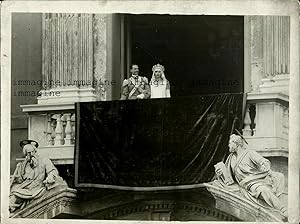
{"points": [[159, 85]]}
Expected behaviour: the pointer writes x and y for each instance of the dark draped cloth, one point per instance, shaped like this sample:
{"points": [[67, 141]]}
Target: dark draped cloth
{"points": [[153, 143]]}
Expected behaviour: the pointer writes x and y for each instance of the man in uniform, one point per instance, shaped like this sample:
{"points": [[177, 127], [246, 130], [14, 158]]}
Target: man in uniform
{"points": [[135, 87]]}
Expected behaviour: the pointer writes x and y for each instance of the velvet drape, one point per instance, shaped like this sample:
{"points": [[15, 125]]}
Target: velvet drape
{"points": [[153, 143]]}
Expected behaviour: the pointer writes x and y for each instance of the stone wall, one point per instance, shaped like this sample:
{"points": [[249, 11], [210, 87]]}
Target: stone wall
{"points": [[26, 65]]}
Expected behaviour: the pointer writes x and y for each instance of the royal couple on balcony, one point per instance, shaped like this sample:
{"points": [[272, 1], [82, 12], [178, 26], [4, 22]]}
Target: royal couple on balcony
{"points": [[138, 87]]}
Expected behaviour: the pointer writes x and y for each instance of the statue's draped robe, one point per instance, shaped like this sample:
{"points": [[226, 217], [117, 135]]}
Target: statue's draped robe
{"points": [[28, 183], [247, 172]]}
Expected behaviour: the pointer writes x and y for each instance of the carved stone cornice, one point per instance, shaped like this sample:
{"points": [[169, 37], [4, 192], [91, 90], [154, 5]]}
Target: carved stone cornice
{"points": [[164, 206], [56, 201], [230, 206], [235, 204]]}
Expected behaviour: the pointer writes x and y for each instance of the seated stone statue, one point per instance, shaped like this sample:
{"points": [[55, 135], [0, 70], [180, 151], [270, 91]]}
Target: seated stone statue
{"points": [[32, 177], [250, 173]]}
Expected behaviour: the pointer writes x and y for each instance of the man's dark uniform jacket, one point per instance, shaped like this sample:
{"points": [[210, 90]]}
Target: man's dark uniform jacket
{"points": [[135, 87]]}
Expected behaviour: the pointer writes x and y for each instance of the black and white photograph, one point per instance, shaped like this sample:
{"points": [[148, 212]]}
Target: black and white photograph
{"points": [[173, 112]]}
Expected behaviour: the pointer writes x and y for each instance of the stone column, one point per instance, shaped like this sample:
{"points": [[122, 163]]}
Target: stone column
{"points": [[276, 45], [270, 53], [69, 51], [269, 59], [256, 51], [100, 54]]}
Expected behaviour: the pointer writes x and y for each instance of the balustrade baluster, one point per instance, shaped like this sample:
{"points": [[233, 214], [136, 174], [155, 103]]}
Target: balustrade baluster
{"points": [[252, 113], [53, 125], [49, 130], [247, 122], [58, 131], [63, 123], [73, 128], [285, 122], [68, 130]]}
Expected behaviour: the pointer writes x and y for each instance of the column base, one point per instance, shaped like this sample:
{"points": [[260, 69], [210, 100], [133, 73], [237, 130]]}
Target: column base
{"points": [[67, 95], [278, 83]]}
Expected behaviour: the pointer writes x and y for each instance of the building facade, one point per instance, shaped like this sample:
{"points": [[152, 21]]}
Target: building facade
{"points": [[59, 59]]}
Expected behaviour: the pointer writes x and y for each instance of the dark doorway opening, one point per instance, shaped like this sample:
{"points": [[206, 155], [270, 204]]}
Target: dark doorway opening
{"points": [[201, 54]]}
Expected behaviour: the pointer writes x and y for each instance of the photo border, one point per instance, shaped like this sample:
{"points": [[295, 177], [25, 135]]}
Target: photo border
{"points": [[189, 7]]}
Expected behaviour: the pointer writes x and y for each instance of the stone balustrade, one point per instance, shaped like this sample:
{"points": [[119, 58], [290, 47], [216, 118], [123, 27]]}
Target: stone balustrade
{"points": [[53, 126], [60, 129], [266, 123]]}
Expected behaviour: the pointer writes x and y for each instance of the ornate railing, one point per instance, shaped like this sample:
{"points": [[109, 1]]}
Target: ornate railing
{"points": [[60, 129], [53, 126]]}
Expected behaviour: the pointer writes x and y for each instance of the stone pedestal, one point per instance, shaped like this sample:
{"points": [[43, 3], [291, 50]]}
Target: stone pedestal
{"points": [[67, 95], [269, 124], [278, 83]]}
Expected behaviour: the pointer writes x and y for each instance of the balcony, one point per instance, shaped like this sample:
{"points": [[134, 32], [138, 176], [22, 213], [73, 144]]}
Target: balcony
{"points": [[265, 127]]}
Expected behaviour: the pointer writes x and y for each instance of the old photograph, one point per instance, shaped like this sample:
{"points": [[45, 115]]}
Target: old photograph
{"points": [[150, 116]]}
